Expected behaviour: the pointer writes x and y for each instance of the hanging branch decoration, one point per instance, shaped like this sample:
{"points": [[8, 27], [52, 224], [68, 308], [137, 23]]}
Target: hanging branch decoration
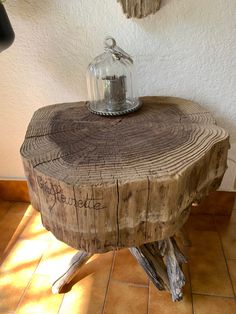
{"points": [[139, 8], [7, 34]]}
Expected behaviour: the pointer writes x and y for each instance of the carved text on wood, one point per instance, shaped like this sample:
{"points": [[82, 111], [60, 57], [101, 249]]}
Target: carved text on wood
{"points": [[58, 196]]}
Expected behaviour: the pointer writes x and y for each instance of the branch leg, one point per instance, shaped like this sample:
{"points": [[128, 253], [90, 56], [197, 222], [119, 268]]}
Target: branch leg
{"points": [[71, 271], [162, 261], [149, 257]]}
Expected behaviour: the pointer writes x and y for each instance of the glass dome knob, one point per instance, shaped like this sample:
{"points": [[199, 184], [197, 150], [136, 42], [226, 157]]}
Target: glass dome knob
{"points": [[110, 82]]}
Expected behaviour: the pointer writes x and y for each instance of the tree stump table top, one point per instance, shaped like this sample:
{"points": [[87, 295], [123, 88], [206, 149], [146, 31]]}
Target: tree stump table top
{"points": [[109, 182]]}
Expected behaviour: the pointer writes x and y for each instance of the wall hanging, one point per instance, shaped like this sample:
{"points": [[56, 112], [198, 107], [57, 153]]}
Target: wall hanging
{"points": [[7, 35], [139, 8]]}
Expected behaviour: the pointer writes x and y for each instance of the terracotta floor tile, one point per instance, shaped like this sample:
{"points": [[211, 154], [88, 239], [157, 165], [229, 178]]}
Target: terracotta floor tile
{"points": [[5, 204], [123, 298], [127, 269], [7, 233], [97, 264], [85, 297], [25, 241], [23, 254], [161, 301], [23, 225], [232, 272], [9, 224], [33, 228], [55, 258], [229, 245], [14, 190], [205, 241], [224, 202], [213, 305], [38, 298], [201, 222], [88, 291], [21, 208], [226, 227], [16, 271], [208, 270], [12, 286], [11, 234], [218, 203], [4, 207], [202, 209]]}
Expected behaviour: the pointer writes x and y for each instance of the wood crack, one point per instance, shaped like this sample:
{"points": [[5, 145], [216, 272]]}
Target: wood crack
{"points": [[117, 215]]}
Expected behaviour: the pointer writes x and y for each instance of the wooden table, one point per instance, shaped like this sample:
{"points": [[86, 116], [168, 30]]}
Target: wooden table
{"points": [[105, 183]]}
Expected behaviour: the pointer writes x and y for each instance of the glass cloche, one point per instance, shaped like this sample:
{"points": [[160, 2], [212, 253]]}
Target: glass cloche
{"points": [[110, 82]]}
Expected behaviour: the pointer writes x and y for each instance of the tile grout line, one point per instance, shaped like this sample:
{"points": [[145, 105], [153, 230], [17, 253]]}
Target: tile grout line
{"points": [[58, 312], [30, 280], [16, 234], [234, 206], [213, 296], [227, 266], [149, 297], [190, 284], [131, 283], [109, 279], [7, 210], [27, 286]]}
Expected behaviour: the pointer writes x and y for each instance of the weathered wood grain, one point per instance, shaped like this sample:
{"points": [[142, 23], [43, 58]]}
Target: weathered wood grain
{"points": [[102, 183], [162, 262], [139, 8], [174, 260], [148, 256]]}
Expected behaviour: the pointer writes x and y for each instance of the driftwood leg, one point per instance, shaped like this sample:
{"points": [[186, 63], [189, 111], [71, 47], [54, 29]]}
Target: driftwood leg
{"points": [[150, 259], [76, 262], [183, 235], [162, 261], [174, 260]]}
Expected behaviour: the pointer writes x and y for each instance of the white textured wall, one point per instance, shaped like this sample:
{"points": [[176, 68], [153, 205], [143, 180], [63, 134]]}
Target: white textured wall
{"points": [[187, 49]]}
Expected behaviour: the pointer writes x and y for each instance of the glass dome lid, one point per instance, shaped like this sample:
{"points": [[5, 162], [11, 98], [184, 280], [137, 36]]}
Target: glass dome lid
{"points": [[110, 82]]}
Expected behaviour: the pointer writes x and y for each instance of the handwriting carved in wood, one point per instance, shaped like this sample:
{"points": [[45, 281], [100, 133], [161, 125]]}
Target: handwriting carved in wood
{"points": [[58, 196]]}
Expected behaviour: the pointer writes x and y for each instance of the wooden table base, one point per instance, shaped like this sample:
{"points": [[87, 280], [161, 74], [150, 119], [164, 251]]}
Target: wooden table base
{"points": [[161, 260], [71, 271], [101, 183]]}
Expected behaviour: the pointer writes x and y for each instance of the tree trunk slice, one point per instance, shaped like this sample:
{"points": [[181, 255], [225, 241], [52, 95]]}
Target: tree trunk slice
{"points": [[71, 271], [139, 8], [166, 275], [110, 182]]}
